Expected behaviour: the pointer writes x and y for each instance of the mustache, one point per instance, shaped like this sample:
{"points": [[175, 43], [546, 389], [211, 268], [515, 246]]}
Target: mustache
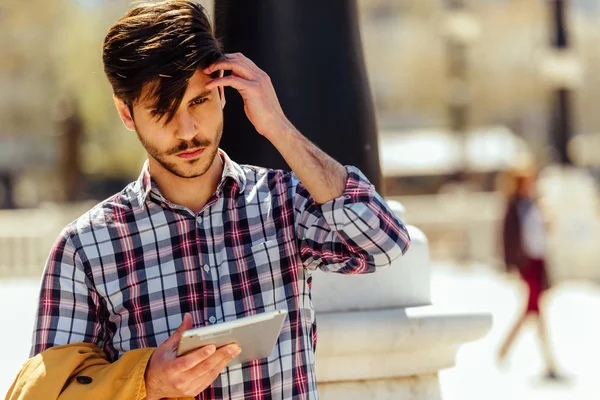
{"points": [[192, 144]]}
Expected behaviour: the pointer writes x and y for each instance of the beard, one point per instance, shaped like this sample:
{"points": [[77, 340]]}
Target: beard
{"points": [[187, 169]]}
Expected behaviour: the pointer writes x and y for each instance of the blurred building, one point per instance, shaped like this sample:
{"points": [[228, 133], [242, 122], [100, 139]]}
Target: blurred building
{"points": [[49, 47], [408, 61]]}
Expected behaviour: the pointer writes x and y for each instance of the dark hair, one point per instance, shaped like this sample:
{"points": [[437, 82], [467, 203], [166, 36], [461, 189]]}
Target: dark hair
{"points": [[161, 45]]}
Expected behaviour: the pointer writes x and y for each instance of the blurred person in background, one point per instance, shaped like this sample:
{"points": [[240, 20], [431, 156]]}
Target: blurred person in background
{"points": [[198, 239], [524, 242]]}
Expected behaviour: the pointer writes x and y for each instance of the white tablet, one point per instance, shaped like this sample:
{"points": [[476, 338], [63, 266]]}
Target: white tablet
{"points": [[256, 335]]}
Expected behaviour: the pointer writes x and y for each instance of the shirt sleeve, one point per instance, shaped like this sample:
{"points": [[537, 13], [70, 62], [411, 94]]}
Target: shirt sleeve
{"points": [[69, 308], [352, 234]]}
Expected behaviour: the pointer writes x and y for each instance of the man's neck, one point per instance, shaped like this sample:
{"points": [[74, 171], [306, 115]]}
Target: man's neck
{"points": [[191, 193]]}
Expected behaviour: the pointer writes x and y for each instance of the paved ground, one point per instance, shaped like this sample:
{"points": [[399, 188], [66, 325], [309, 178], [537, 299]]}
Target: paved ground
{"points": [[574, 329], [18, 300]]}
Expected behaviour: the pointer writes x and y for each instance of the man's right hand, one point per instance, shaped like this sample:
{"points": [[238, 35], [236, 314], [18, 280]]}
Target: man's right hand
{"points": [[170, 376]]}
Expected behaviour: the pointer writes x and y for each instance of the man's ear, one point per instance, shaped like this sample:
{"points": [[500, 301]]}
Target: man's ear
{"points": [[124, 113]]}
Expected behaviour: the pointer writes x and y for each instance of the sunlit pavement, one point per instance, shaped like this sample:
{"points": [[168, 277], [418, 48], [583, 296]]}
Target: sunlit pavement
{"points": [[18, 300], [574, 329]]}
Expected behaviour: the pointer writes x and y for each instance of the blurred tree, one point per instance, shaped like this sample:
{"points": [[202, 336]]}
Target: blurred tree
{"points": [[48, 49], [26, 75], [562, 128], [71, 133], [109, 149], [404, 56], [462, 31]]}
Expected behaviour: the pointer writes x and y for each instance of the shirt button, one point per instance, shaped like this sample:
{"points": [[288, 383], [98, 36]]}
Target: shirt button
{"points": [[206, 268], [212, 319], [199, 220]]}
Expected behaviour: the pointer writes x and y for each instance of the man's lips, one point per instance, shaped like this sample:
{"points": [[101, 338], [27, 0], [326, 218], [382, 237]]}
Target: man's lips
{"points": [[190, 154]]}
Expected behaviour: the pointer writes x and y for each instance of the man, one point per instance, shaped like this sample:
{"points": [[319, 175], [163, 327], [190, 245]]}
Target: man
{"points": [[199, 239]]}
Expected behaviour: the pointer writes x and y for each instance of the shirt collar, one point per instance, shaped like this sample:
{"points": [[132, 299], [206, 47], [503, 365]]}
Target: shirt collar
{"points": [[146, 185], [232, 170]]}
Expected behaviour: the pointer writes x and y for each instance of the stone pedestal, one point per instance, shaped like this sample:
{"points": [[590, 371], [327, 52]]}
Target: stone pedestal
{"points": [[412, 387], [379, 337]]}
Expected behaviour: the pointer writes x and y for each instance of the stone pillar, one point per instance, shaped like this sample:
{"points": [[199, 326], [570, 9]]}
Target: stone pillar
{"points": [[379, 336], [313, 54]]}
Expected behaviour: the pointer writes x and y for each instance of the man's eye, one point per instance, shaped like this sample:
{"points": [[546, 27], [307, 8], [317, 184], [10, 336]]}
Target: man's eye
{"points": [[199, 101], [155, 115]]}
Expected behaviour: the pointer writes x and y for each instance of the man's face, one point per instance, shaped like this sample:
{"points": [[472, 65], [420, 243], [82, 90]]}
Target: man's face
{"points": [[188, 144]]}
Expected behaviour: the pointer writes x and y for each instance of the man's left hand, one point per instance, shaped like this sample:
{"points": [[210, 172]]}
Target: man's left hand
{"points": [[254, 85]]}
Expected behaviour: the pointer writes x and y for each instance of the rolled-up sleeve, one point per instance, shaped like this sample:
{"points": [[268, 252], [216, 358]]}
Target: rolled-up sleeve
{"points": [[352, 234]]}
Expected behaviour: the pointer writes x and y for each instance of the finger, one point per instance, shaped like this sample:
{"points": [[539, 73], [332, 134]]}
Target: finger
{"points": [[215, 363], [203, 375], [193, 359], [201, 382], [259, 74], [239, 57], [173, 340], [235, 82], [235, 65], [248, 62]]}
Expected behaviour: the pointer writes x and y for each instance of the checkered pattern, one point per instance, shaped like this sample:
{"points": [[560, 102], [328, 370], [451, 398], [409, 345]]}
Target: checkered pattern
{"points": [[123, 275]]}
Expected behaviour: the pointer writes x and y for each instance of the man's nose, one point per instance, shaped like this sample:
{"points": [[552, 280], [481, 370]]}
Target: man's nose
{"points": [[186, 126]]}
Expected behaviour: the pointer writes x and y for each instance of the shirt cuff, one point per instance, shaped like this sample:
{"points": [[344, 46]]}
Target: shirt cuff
{"points": [[357, 192]]}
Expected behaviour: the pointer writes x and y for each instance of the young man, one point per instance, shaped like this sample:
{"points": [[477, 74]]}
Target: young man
{"points": [[199, 239]]}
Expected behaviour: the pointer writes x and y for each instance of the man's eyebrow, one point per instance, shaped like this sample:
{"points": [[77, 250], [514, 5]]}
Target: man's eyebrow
{"points": [[206, 93], [201, 95]]}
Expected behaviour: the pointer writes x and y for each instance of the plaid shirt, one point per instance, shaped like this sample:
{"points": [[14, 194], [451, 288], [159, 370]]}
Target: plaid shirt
{"points": [[123, 275]]}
